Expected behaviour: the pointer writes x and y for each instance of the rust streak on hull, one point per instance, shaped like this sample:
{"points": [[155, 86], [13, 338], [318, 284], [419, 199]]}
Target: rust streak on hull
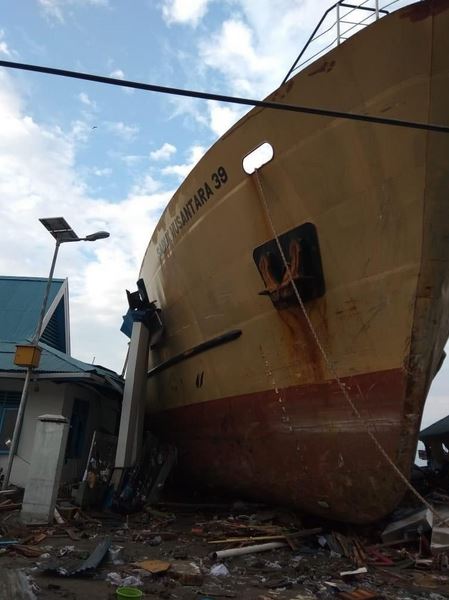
{"points": [[377, 198]]}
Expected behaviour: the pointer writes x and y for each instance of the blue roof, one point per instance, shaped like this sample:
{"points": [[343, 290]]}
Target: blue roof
{"points": [[20, 305], [52, 361]]}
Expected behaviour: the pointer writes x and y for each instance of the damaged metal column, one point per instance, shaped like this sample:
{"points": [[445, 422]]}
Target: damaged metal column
{"points": [[147, 329], [131, 421]]}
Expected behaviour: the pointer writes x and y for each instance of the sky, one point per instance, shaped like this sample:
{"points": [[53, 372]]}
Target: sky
{"points": [[110, 158]]}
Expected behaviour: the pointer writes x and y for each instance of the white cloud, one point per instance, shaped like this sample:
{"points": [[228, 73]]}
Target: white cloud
{"points": [[182, 170], [164, 152], [188, 12], [4, 49], [132, 160], [191, 107], [222, 117], [84, 99], [55, 9], [217, 117], [126, 132], [80, 131], [117, 74], [146, 185], [38, 178], [233, 52], [118, 259], [105, 172], [246, 54]]}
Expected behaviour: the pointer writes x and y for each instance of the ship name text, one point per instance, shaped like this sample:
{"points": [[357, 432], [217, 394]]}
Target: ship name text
{"points": [[199, 199]]}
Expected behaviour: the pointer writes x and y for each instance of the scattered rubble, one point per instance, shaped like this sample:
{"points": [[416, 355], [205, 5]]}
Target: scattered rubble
{"points": [[210, 551]]}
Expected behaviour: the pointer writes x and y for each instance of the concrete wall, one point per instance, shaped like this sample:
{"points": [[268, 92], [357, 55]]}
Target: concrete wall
{"points": [[57, 399], [44, 473]]}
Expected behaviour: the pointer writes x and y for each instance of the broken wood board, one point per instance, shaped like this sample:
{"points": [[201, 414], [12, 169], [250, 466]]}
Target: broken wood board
{"points": [[153, 566], [28, 551], [10, 506], [359, 594], [279, 536], [186, 572]]}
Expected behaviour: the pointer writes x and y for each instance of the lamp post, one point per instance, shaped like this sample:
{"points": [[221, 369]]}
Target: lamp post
{"points": [[62, 232]]}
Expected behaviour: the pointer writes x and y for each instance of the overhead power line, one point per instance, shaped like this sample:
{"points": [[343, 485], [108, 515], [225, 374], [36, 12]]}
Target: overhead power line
{"points": [[308, 110]]}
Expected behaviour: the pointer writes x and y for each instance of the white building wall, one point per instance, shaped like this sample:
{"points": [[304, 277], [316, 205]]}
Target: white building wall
{"points": [[46, 397], [43, 398]]}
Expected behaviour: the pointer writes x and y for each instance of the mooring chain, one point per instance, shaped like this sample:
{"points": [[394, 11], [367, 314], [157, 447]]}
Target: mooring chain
{"points": [[331, 365]]}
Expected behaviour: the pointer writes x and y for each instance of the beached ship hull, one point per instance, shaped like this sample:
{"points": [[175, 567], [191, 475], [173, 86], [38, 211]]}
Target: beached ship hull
{"points": [[258, 410]]}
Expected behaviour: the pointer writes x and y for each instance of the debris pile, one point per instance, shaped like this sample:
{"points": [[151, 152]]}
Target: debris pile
{"points": [[206, 551]]}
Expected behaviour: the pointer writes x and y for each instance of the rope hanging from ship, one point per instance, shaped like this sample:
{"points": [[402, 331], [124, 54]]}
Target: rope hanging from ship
{"points": [[309, 110], [328, 361]]}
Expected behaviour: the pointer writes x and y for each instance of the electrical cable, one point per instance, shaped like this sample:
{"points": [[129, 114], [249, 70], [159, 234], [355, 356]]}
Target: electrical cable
{"points": [[309, 110]]}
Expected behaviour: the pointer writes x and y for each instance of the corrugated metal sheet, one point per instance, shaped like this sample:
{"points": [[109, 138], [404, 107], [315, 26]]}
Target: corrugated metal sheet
{"points": [[52, 361], [68, 567], [20, 305]]}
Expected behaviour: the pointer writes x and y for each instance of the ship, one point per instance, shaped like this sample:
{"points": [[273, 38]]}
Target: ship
{"points": [[305, 301]]}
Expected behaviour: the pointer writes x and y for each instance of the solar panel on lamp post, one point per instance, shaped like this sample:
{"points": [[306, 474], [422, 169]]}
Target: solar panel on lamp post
{"points": [[63, 233]]}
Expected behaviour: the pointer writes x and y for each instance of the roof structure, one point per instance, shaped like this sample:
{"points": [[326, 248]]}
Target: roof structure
{"points": [[59, 366], [20, 305], [438, 429]]}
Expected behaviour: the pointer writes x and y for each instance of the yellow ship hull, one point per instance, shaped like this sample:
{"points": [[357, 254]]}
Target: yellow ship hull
{"points": [[264, 415]]}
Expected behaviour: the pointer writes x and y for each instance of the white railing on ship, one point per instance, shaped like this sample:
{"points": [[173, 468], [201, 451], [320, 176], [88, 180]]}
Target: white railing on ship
{"points": [[334, 27]]}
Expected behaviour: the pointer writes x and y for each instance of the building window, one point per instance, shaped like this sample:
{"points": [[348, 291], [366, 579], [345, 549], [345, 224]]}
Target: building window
{"points": [[9, 406]]}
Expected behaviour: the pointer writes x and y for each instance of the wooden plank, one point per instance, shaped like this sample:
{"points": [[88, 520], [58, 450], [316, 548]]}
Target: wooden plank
{"points": [[28, 551], [254, 538], [280, 536], [10, 506], [154, 566], [13, 492]]}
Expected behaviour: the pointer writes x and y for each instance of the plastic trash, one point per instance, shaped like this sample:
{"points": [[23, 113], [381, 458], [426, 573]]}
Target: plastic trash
{"points": [[132, 581], [273, 565], [220, 570], [114, 578], [66, 550], [322, 541], [114, 552], [155, 541]]}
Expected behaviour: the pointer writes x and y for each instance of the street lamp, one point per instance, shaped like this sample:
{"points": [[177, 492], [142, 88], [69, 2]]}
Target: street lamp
{"points": [[62, 232]]}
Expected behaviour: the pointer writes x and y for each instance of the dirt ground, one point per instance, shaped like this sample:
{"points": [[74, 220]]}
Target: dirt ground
{"points": [[307, 567]]}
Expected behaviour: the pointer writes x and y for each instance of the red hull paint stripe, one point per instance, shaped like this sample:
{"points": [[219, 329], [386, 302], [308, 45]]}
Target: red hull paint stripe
{"points": [[301, 446]]}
